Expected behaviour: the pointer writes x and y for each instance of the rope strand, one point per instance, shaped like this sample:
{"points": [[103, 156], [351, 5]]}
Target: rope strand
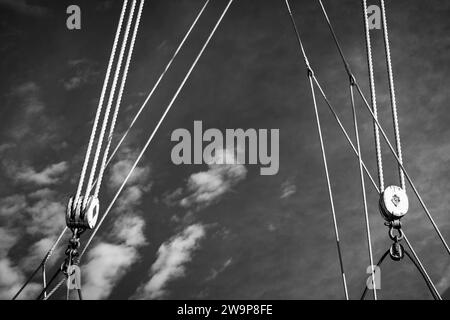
{"points": [[110, 101], [392, 93], [416, 192], [100, 103], [180, 46], [156, 128], [119, 99], [374, 98]]}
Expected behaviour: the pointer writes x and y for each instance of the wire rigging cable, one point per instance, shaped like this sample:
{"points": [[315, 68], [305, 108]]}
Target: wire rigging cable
{"points": [[41, 265], [51, 293], [95, 181], [422, 272], [155, 86], [353, 79], [180, 46], [368, 107], [363, 188], [187, 76], [324, 158], [422, 269]]}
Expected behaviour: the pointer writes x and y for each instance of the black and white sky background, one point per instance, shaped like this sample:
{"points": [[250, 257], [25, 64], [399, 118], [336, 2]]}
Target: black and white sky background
{"points": [[199, 232]]}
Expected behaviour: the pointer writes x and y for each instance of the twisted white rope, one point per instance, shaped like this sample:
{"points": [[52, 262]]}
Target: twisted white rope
{"points": [[100, 103]]}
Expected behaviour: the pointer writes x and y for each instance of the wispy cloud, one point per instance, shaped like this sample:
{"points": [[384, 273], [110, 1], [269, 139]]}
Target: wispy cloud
{"points": [[48, 176], [206, 187], [287, 189], [8, 238], [12, 205], [130, 229], [30, 125], [82, 72], [38, 251], [119, 170], [11, 279], [444, 282], [113, 256], [39, 216], [107, 264], [170, 263], [46, 217]]}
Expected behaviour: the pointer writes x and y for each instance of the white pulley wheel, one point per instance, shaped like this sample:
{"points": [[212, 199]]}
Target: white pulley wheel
{"points": [[394, 203], [91, 213]]}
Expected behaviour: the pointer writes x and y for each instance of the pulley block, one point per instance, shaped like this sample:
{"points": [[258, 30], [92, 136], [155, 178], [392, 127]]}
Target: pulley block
{"points": [[82, 217], [394, 203]]}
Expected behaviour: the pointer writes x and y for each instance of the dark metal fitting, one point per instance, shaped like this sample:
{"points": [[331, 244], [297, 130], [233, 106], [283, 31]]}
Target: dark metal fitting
{"points": [[396, 237], [396, 251]]}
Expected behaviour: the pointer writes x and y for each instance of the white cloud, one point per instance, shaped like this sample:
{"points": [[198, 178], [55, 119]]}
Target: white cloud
{"points": [[82, 72], [130, 199], [8, 239], [42, 193], [35, 216], [12, 205], [130, 229], [206, 187], [170, 264], [107, 264], [47, 217], [444, 282], [31, 127], [50, 175], [120, 169], [10, 281], [109, 261], [38, 251]]}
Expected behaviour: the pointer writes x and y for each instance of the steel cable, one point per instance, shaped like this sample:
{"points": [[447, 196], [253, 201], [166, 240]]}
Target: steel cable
{"points": [[156, 128], [416, 192], [324, 158]]}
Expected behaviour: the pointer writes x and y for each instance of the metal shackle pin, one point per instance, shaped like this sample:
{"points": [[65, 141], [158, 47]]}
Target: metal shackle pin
{"points": [[394, 203], [79, 217]]}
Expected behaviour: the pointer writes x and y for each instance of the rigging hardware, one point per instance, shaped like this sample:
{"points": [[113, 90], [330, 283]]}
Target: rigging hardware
{"points": [[79, 216], [393, 203]]}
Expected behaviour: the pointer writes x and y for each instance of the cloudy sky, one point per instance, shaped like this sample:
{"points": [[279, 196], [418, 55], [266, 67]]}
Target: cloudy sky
{"points": [[220, 231]]}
